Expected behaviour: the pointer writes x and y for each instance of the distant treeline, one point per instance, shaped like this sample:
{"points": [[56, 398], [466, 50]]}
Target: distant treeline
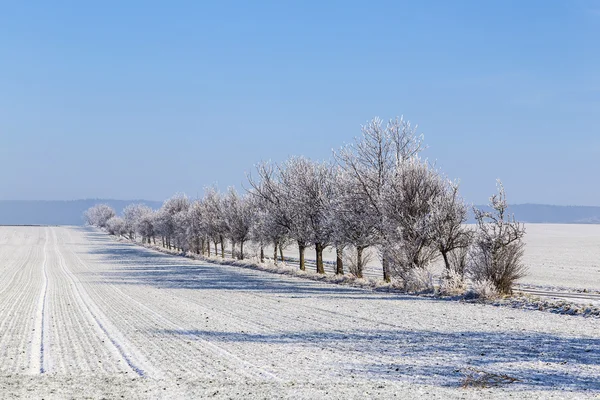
{"points": [[548, 214], [20, 212]]}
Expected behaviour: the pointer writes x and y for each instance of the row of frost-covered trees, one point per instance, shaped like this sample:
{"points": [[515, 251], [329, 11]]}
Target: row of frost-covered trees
{"points": [[376, 195]]}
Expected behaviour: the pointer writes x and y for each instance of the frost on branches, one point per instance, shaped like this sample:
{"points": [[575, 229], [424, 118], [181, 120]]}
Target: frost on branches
{"points": [[377, 196], [498, 246]]}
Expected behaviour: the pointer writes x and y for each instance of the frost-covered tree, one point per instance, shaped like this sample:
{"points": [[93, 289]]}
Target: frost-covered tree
{"points": [[298, 193], [216, 227], [372, 160], [407, 206], [99, 215], [352, 222], [239, 214], [498, 247], [116, 226], [448, 231], [310, 186], [166, 224], [275, 187], [266, 229], [132, 214], [196, 226], [146, 226], [181, 222]]}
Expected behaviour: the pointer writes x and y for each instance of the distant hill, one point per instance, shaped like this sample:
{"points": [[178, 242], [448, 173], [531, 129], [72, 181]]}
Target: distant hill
{"points": [[542, 213], [20, 212]]}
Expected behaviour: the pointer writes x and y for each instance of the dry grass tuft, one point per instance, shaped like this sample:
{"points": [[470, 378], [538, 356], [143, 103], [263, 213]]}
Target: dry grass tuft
{"points": [[481, 379]]}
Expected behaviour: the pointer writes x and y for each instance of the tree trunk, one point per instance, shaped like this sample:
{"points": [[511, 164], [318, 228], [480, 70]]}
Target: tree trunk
{"points": [[386, 267], [208, 246], [163, 241], [222, 246], [359, 261], [319, 251], [153, 239], [262, 254], [339, 262], [202, 246], [242, 250], [233, 249], [281, 253], [197, 244], [301, 248], [275, 252], [215, 243], [446, 262]]}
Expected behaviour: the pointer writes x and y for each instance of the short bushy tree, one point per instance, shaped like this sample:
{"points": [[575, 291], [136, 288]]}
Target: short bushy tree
{"points": [[498, 247], [99, 215]]}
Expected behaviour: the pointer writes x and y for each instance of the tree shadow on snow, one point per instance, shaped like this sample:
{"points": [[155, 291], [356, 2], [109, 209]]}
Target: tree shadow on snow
{"points": [[141, 266], [539, 361]]}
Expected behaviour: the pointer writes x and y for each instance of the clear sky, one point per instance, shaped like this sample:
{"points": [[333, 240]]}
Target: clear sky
{"points": [[126, 99]]}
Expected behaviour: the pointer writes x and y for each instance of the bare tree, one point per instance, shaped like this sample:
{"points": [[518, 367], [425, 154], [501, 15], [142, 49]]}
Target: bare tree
{"points": [[407, 205], [352, 222], [498, 248], [277, 187], [310, 188], [239, 214], [196, 226], [371, 161], [266, 229], [448, 231], [216, 226]]}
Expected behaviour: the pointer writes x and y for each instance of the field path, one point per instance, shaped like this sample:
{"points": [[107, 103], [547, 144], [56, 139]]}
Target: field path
{"points": [[84, 316]]}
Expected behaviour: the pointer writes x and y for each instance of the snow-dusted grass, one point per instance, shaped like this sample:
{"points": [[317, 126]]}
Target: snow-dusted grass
{"points": [[121, 320]]}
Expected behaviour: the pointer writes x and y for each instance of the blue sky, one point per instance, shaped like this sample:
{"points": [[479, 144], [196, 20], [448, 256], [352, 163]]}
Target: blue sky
{"points": [[144, 99]]}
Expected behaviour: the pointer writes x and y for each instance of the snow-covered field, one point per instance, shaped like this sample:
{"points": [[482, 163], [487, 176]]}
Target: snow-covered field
{"points": [[84, 316]]}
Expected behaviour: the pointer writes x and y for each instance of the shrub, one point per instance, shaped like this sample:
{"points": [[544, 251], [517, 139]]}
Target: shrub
{"points": [[498, 249]]}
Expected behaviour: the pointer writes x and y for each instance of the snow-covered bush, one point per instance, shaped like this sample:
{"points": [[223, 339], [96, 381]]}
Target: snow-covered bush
{"points": [[497, 252], [482, 289], [453, 283], [418, 280]]}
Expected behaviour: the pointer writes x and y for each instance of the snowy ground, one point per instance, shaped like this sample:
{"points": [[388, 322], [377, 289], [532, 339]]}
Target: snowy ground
{"points": [[84, 316]]}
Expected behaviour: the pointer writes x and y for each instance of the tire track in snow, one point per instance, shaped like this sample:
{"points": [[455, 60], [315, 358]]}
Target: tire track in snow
{"points": [[246, 367], [18, 308], [133, 365], [37, 363]]}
